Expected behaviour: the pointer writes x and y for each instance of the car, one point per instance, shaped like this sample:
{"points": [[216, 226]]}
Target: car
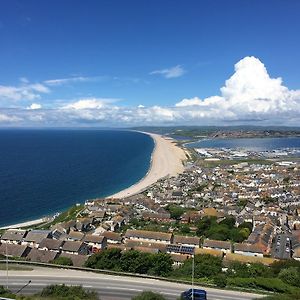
{"points": [[287, 249], [195, 294]]}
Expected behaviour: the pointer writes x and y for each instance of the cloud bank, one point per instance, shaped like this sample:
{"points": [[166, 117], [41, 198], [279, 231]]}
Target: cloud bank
{"points": [[249, 96]]}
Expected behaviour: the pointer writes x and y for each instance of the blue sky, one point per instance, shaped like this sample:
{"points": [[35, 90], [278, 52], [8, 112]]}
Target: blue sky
{"points": [[123, 63]]}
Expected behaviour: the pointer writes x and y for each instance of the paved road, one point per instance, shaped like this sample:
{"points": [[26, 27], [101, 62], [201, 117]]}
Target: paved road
{"points": [[282, 246], [109, 287]]}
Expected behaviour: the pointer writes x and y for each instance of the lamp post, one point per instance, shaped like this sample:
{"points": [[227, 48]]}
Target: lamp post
{"points": [[23, 287], [6, 265], [193, 274]]}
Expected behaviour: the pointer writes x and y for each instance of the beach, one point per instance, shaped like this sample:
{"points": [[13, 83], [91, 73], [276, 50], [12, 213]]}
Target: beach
{"points": [[25, 224], [167, 160]]}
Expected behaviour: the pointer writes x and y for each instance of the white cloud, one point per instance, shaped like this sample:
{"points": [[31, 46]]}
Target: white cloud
{"points": [[249, 95], [35, 106], [89, 103], [68, 80], [25, 91], [8, 119], [173, 72], [189, 102]]}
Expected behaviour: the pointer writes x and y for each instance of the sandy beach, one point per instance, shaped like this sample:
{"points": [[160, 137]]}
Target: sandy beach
{"points": [[167, 159], [25, 224]]}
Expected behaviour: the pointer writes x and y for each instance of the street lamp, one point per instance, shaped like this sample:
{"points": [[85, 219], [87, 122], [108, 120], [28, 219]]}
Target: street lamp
{"points": [[23, 287], [6, 265], [193, 274]]}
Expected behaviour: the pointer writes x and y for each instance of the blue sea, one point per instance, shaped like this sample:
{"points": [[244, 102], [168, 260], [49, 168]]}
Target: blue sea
{"points": [[255, 144], [46, 171]]}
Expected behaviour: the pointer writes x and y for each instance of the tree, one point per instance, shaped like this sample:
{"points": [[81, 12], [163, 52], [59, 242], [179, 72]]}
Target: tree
{"points": [[108, 259], [176, 211], [161, 264], [290, 276], [205, 266], [219, 232], [64, 261], [185, 229], [229, 221], [237, 269], [149, 296], [277, 266], [259, 270], [248, 225], [204, 224], [135, 262], [5, 293]]}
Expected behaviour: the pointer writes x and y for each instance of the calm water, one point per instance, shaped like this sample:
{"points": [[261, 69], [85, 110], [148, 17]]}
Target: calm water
{"points": [[257, 144], [45, 171]]}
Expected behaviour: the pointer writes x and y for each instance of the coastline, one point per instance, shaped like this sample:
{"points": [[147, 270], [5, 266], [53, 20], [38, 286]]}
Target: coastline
{"points": [[26, 224], [166, 160]]}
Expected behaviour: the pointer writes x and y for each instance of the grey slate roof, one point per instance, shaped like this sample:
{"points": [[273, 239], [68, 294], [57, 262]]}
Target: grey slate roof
{"points": [[44, 256], [14, 250], [51, 244], [14, 235], [37, 236]]}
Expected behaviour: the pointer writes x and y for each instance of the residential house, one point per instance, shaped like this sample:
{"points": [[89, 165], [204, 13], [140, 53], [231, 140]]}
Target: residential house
{"points": [[34, 237], [224, 246], [139, 245], [51, 245], [248, 249], [158, 217], [14, 250], [112, 237], [84, 224], [75, 236], [149, 236], [75, 247], [43, 256], [190, 241], [98, 216], [13, 236], [96, 242]]}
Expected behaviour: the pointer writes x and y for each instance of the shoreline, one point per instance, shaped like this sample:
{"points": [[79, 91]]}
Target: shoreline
{"points": [[166, 159], [25, 224]]}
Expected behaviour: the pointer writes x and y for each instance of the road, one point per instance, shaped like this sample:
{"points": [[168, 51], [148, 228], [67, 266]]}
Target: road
{"points": [[109, 287], [282, 246]]}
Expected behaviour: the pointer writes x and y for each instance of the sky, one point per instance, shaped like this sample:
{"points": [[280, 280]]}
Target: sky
{"points": [[122, 63]]}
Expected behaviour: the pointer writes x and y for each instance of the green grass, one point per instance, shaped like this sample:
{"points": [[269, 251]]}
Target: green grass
{"points": [[65, 216]]}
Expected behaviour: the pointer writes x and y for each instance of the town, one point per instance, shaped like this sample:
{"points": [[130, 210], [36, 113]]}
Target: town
{"points": [[247, 211]]}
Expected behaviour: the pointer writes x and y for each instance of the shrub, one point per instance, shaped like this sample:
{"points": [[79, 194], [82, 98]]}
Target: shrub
{"points": [[68, 293], [149, 296], [65, 261], [220, 280]]}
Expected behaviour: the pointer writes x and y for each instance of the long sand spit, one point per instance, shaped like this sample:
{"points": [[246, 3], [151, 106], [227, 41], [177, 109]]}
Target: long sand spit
{"points": [[167, 159]]}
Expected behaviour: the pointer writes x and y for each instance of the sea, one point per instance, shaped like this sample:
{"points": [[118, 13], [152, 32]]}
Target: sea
{"points": [[43, 172], [251, 144]]}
